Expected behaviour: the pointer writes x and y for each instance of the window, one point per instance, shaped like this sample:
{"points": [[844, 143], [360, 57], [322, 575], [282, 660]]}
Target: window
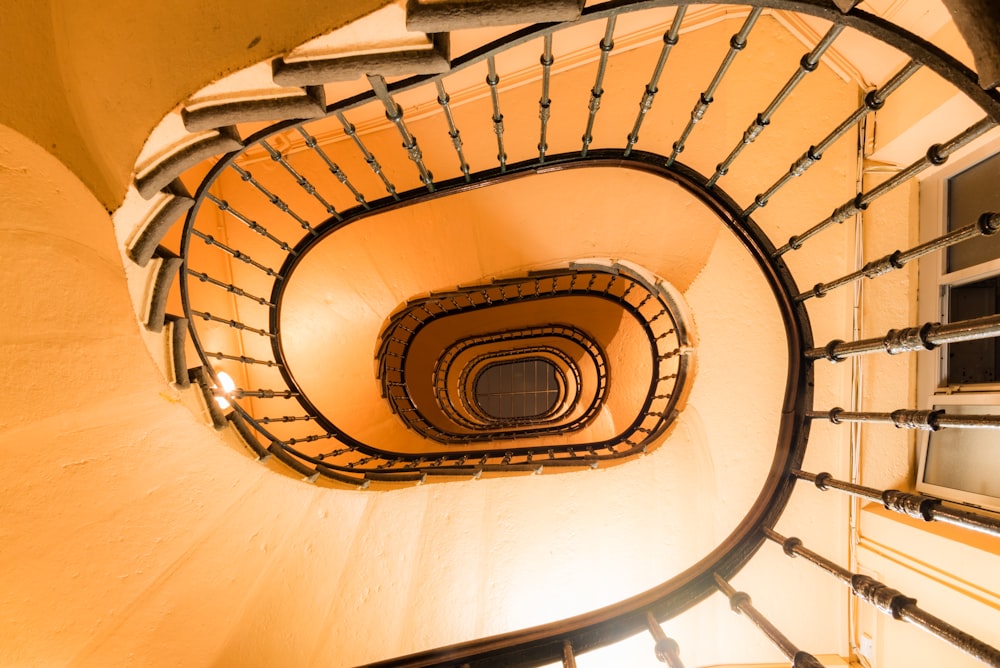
{"points": [[961, 283], [518, 390]]}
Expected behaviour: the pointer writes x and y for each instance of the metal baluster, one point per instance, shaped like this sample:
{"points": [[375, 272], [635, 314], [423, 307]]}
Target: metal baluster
{"points": [[239, 255], [737, 43], [917, 506], [492, 80], [264, 394], [937, 154], [352, 132], [225, 207], [987, 225], [243, 359], [394, 113], [874, 101], [809, 63], [544, 102], [274, 199], [235, 324], [228, 287], [310, 438], [926, 337], [286, 418], [892, 602], [445, 101], [927, 420], [607, 43], [332, 166], [670, 39], [568, 659], [740, 603], [303, 182]]}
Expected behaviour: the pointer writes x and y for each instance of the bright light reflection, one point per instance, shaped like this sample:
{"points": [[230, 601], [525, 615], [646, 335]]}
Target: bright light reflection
{"points": [[228, 385]]}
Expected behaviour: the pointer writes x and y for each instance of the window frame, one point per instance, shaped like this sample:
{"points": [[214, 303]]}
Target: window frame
{"points": [[933, 306]]}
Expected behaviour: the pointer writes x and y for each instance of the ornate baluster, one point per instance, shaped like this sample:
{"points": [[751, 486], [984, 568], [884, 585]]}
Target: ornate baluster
{"points": [[740, 603], [891, 602], [987, 225], [873, 102], [568, 658], [228, 287], [303, 182], [492, 80], [272, 198], [239, 255], [225, 207], [809, 63], [926, 337], [917, 506], [926, 420], [395, 114], [235, 324], [544, 102], [937, 154], [737, 43], [670, 39], [332, 166], [243, 359], [607, 43], [352, 132], [445, 101]]}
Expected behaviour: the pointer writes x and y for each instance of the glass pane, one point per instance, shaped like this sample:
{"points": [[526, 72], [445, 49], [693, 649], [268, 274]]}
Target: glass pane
{"points": [[973, 362], [965, 459], [970, 194], [517, 390]]}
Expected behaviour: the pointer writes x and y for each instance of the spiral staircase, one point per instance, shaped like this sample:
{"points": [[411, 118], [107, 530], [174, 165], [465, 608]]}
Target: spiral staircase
{"points": [[333, 253]]}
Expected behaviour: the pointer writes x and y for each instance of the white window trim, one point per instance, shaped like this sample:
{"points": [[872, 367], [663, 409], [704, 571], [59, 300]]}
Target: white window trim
{"points": [[931, 308]]}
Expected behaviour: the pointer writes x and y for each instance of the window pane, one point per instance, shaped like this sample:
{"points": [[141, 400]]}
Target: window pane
{"points": [[964, 459], [973, 361], [970, 194], [521, 389]]}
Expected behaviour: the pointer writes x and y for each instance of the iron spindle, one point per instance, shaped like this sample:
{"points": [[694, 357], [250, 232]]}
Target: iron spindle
{"points": [[235, 324], [873, 101], [740, 603], [987, 225], [606, 45], [891, 602], [225, 207], [809, 63], [568, 659], [243, 359], [303, 182], [926, 337], [240, 393], [927, 420], [670, 39], [456, 140], [917, 506], [286, 418], [228, 287], [737, 43], [937, 154], [394, 113], [310, 438], [352, 132], [239, 255], [334, 168], [279, 203], [544, 103], [492, 80]]}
